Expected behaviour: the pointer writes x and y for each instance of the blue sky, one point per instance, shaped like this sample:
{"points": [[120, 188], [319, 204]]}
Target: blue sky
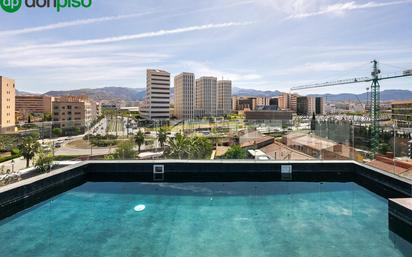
{"points": [[259, 44]]}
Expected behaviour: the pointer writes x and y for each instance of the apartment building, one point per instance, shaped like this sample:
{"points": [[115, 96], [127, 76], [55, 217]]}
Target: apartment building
{"points": [[235, 103], [290, 101], [308, 105], [241, 103], [402, 113], [33, 104], [7, 105], [206, 97], [156, 105], [73, 112], [184, 102], [224, 95]]}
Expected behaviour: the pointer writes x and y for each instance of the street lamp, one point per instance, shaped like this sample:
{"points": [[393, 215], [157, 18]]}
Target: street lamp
{"points": [[12, 166]]}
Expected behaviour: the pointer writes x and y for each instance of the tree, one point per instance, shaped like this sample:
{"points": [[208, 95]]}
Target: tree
{"points": [[182, 147], [57, 132], [28, 148], [162, 137], [178, 147], [47, 116], [235, 153], [44, 162], [139, 139], [200, 148], [125, 151]]}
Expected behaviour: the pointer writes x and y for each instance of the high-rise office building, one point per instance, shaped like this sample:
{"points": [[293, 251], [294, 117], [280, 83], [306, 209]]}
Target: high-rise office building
{"points": [[7, 105], [157, 101], [224, 97], [184, 95], [206, 96]]}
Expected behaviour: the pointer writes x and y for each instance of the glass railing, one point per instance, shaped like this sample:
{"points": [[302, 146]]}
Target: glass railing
{"points": [[41, 147]]}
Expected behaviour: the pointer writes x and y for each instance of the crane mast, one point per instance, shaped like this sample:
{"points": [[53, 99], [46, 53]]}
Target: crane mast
{"points": [[375, 107], [375, 97]]}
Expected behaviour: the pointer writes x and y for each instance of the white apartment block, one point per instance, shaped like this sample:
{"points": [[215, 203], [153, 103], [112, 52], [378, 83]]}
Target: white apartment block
{"points": [[184, 104], [224, 97], [157, 102]]}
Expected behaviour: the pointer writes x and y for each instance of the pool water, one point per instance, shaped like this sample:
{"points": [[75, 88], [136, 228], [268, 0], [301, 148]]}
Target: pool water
{"points": [[205, 219]]}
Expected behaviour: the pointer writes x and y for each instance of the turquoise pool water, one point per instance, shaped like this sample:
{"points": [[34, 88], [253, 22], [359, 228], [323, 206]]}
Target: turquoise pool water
{"points": [[205, 219]]}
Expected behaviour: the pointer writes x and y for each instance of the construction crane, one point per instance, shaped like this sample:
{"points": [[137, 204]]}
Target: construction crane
{"points": [[375, 96]]}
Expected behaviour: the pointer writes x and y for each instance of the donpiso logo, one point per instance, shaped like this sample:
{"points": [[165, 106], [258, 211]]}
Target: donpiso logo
{"points": [[12, 6]]}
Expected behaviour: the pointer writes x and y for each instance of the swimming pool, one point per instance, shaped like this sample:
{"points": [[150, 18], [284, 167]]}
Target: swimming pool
{"points": [[205, 219]]}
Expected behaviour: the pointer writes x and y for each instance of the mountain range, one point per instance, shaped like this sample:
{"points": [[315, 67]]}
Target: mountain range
{"points": [[137, 94]]}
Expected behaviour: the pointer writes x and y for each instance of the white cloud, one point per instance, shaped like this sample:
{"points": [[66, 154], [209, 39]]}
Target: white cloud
{"points": [[204, 69], [341, 8], [67, 24], [132, 37]]}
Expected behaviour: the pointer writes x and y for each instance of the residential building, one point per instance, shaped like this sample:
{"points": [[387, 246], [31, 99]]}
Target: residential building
{"points": [[283, 102], [33, 104], [157, 101], [184, 86], [206, 97], [235, 103], [292, 101], [274, 102], [308, 105], [224, 95], [241, 103], [262, 101], [320, 106], [7, 105], [247, 103], [73, 112], [402, 113]]}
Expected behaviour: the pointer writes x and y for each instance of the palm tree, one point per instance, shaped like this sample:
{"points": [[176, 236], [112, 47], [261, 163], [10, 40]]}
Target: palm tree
{"points": [[200, 148], [162, 137], [178, 147], [139, 139], [28, 148]]}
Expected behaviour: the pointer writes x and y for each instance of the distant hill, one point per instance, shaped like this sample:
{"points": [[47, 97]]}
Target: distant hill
{"points": [[137, 94], [386, 95], [24, 93], [105, 93], [252, 92]]}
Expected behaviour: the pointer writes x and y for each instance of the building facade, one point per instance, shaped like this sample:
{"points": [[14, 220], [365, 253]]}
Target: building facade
{"points": [[7, 105], [308, 105], [33, 104], [241, 103], [73, 112], [157, 101], [402, 113], [206, 97], [184, 104], [224, 95]]}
